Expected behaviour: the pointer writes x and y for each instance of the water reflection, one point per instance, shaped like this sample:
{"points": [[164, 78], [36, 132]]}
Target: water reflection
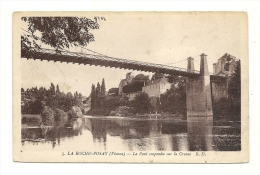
{"points": [[53, 134], [195, 134], [200, 133]]}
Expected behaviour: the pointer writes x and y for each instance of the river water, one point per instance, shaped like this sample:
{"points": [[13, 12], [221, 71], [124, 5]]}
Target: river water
{"points": [[132, 134]]}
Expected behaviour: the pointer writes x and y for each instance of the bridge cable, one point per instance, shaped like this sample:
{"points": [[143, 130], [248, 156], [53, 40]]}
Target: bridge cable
{"points": [[182, 60], [93, 51], [196, 62], [41, 39]]}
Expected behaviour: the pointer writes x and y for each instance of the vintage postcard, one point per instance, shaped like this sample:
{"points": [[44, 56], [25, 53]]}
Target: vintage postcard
{"points": [[135, 87]]}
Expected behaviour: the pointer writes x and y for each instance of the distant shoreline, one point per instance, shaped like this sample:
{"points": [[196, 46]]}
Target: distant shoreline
{"points": [[35, 117]]}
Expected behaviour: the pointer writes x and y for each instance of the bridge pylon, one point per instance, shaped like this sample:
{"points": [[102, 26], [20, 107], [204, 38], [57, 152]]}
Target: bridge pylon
{"points": [[198, 90]]}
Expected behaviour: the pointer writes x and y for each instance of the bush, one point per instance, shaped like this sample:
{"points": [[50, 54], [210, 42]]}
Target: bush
{"points": [[51, 116], [75, 112], [60, 116], [47, 115]]}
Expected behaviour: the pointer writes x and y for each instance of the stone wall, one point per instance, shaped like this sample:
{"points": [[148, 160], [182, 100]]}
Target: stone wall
{"points": [[155, 90], [219, 90]]}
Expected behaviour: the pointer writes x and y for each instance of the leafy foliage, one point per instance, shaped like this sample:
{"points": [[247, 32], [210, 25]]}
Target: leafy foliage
{"points": [[103, 88], [141, 77], [177, 80], [157, 76], [34, 99], [141, 103], [174, 100], [113, 91], [58, 32], [234, 87], [134, 86], [230, 107], [98, 90], [93, 96], [97, 94], [108, 104]]}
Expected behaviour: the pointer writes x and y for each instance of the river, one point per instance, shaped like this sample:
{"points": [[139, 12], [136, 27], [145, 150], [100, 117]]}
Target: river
{"points": [[133, 134]]}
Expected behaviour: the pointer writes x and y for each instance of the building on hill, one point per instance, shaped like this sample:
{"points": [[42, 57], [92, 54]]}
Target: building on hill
{"points": [[132, 84], [133, 88], [226, 65], [128, 79], [155, 88]]}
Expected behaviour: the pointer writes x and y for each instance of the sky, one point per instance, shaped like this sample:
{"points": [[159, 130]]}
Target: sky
{"points": [[161, 38]]}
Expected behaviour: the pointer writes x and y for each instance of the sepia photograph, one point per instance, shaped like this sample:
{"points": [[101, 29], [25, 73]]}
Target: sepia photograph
{"points": [[136, 87]]}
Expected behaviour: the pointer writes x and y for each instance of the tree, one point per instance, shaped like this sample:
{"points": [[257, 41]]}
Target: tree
{"points": [[113, 91], [98, 95], [58, 32], [234, 86], [157, 76], [98, 89], [76, 94], [141, 103], [174, 100], [34, 99], [177, 80], [232, 104], [69, 95], [103, 87], [80, 96], [57, 89], [52, 89], [93, 96]]}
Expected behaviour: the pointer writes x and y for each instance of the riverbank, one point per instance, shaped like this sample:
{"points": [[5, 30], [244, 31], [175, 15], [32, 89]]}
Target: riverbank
{"points": [[51, 116], [166, 117], [31, 120], [135, 118]]}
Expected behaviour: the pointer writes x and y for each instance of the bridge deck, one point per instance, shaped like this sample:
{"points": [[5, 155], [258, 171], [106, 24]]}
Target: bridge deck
{"points": [[100, 60]]}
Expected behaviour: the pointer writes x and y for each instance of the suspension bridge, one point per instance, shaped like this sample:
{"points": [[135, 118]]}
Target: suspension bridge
{"points": [[198, 93], [106, 61]]}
